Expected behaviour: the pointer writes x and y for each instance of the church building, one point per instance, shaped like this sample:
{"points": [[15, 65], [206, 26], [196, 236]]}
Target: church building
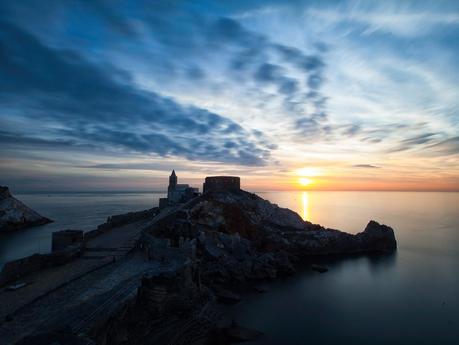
{"points": [[177, 193]]}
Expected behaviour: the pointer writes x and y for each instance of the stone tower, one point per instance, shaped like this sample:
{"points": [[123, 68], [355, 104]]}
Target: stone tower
{"points": [[172, 182], [221, 184]]}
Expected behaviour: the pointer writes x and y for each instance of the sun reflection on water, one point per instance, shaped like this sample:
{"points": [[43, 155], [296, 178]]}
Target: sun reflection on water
{"points": [[305, 204]]}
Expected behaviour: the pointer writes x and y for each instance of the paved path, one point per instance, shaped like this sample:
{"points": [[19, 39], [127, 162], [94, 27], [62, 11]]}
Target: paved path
{"points": [[102, 250], [76, 305], [73, 295]]}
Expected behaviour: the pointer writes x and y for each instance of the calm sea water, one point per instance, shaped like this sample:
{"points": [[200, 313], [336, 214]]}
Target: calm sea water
{"points": [[81, 211], [411, 297]]}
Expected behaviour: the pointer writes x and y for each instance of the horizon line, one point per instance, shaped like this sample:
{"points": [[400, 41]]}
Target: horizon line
{"points": [[251, 191]]}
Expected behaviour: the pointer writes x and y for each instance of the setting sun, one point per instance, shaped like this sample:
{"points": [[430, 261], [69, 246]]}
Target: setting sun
{"points": [[304, 181]]}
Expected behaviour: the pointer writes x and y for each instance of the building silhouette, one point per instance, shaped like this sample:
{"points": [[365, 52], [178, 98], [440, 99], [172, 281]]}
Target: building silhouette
{"points": [[177, 193]]}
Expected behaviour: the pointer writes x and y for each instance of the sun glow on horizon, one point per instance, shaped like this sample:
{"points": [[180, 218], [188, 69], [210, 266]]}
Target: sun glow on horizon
{"points": [[304, 181], [309, 172], [305, 175]]}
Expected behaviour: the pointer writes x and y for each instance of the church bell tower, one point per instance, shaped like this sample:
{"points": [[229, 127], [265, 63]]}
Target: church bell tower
{"points": [[172, 182]]}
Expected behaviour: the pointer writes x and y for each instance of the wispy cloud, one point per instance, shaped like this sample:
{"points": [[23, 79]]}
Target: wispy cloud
{"points": [[366, 166], [387, 17]]}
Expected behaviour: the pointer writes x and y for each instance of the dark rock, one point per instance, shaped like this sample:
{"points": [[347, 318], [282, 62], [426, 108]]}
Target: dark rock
{"points": [[16, 286], [319, 268], [15, 215], [260, 289], [53, 338], [236, 333], [246, 223], [170, 308], [378, 237], [227, 297]]}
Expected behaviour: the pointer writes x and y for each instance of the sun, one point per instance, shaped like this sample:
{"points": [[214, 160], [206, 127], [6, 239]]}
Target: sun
{"points": [[304, 181], [306, 174]]}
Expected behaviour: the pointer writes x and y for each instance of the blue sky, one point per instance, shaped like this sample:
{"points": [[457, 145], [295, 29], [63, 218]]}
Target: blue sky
{"points": [[103, 95]]}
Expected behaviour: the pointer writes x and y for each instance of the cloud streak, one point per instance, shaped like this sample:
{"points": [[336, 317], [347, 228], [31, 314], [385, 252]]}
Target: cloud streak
{"points": [[366, 166], [81, 103]]}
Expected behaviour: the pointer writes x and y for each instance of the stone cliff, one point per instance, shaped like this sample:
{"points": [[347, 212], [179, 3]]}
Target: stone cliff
{"points": [[15, 215]]}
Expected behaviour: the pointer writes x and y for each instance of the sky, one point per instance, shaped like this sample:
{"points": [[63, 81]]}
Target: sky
{"points": [[109, 95]]}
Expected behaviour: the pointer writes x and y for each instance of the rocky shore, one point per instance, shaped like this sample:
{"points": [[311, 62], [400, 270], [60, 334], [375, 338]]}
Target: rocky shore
{"points": [[190, 259], [14, 215]]}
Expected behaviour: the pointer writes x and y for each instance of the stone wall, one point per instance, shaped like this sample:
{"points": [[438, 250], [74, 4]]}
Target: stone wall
{"points": [[64, 238], [122, 219], [221, 184], [16, 269]]}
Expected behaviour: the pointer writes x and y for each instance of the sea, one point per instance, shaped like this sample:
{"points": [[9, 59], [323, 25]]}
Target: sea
{"points": [[408, 297]]}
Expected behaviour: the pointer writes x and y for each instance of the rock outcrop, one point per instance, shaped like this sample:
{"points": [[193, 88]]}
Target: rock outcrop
{"points": [[241, 237], [15, 215]]}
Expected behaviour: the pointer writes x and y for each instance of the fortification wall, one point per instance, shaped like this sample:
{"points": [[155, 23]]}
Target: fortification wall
{"points": [[121, 219], [221, 184]]}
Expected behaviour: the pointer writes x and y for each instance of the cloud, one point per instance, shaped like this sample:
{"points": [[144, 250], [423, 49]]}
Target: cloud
{"points": [[409, 143], [352, 130], [78, 102], [155, 166], [446, 147], [365, 166], [247, 60], [390, 18], [273, 74], [152, 40]]}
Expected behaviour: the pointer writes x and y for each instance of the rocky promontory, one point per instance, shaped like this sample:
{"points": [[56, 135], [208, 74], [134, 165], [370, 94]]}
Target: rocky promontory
{"points": [[239, 236], [15, 215]]}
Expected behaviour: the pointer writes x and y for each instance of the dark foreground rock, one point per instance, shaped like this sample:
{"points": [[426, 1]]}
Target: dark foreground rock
{"points": [[227, 297], [237, 334], [53, 338], [169, 309], [319, 268], [15, 215]]}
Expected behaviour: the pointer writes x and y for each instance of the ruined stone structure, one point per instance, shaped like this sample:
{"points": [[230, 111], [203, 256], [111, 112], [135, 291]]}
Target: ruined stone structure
{"points": [[221, 184], [65, 238]]}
